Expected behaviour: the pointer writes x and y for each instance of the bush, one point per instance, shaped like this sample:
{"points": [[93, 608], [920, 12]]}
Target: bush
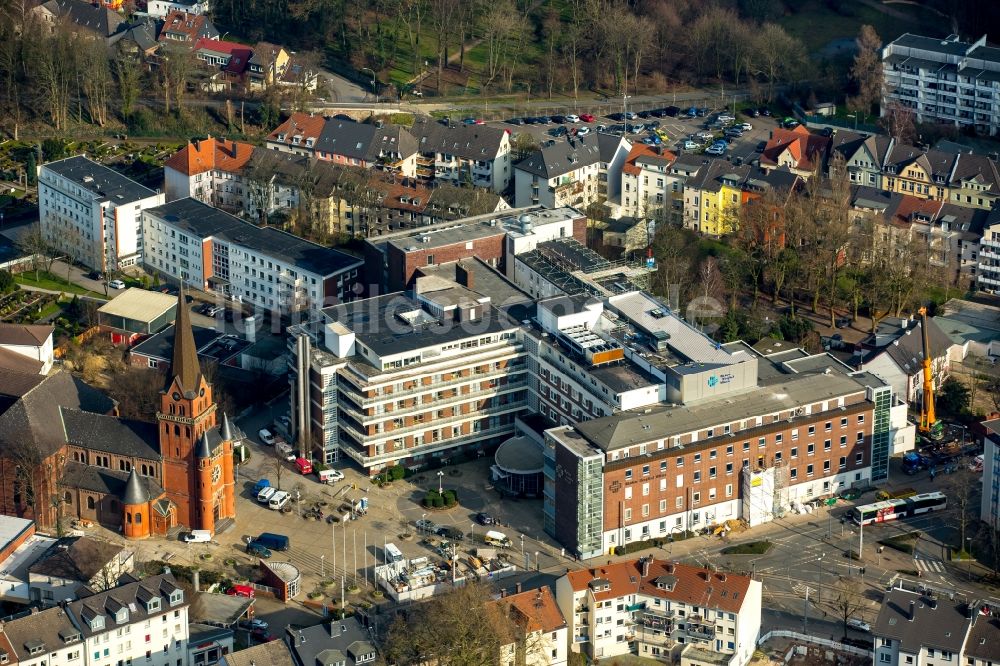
{"points": [[450, 497], [430, 497], [658, 542], [749, 548], [437, 502], [396, 473]]}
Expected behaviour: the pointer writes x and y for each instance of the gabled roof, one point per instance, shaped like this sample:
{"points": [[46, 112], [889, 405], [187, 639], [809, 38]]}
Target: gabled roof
{"points": [[210, 154], [131, 596], [906, 349], [692, 585], [534, 610], [265, 54], [304, 125], [142, 32], [273, 653], [363, 141], [104, 481], [192, 26], [935, 162], [81, 559], [562, 156], [639, 150], [11, 360], [712, 176], [25, 334], [474, 142], [978, 169], [942, 627], [99, 20], [48, 630], [110, 434], [806, 150]]}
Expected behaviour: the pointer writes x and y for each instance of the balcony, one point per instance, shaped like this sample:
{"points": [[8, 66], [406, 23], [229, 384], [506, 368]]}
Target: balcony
{"points": [[426, 388], [701, 633], [433, 423], [366, 419], [363, 459]]}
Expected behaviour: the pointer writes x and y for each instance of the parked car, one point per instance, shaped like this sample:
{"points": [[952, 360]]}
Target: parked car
{"points": [[766, 112], [197, 536], [747, 127], [425, 525], [279, 500], [703, 111], [725, 118], [587, 118], [241, 591], [273, 541], [485, 519], [689, 145], [753, 113], [859, 624], [572, 118], [789, 123], [330, 475], [558, 119], [616, 116], [558, 131], [692, 112], [583, 131], [259, 550], [734, 132], [652, 124], [116, 284], [601, 128], [254, 624], [643, 114], [264, 494], [516, 121], [544, 120], [630, 115], [95, 275], [671, 111], [452, 533], [708, 136], [266, 437], [473, 121], [715, 150]]}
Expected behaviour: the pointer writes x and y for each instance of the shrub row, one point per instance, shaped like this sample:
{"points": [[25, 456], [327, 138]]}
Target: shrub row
{"points": [[658, 542]]}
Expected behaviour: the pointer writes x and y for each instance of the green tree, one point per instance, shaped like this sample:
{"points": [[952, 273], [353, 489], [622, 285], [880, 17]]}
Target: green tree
{"points": [[31, 167], [53, 149], [7, 283], [954, 398]]}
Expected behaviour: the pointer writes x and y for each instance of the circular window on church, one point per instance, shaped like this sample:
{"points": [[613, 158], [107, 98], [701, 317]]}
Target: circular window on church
{"points": [[202, 394], [176, 396]]}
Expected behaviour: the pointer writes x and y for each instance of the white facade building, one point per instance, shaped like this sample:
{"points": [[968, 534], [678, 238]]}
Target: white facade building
{"points": [[92, 214], [990, 504], [945, 81], [571, 172], [661, 610], [160, 8], [32, 342]]}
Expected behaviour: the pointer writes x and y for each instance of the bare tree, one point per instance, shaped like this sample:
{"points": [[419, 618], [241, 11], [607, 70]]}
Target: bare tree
{"points": [[962, 489], [899, 122], [849, 599], [33, 243], [128, 73], [95, 73], [866, 72], [137, 392]]}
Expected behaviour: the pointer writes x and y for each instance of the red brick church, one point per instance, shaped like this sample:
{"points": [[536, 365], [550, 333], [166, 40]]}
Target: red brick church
{"points": [[85, 462]]}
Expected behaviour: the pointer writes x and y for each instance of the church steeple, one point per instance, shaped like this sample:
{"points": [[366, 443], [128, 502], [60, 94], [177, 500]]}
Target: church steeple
{"points": [[184, 368]]}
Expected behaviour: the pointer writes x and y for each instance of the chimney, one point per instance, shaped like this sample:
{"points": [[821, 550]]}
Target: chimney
{"points": [[465, 276], [517, 588], [503, 592], [913, 608], [644, 566]]}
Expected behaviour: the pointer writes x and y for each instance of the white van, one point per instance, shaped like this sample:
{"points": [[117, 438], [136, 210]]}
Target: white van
{"points": [[278, 500], [498, 539], [330, 475], [197, 536], [264, 496], [392, 553], [285, 450]]}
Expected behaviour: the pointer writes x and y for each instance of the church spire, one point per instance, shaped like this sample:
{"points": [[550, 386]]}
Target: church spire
{"points": [[185, 366]]}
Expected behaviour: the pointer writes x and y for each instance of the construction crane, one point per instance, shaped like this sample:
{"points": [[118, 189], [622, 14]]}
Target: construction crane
{"points": [[929, 425]]}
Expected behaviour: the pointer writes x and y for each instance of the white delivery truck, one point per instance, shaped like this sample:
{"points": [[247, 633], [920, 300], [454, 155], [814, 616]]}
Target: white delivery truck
{"points": [[498, 539], [392, 553]]}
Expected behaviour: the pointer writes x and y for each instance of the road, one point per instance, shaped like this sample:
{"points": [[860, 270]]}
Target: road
{"points": [[341, 91]]}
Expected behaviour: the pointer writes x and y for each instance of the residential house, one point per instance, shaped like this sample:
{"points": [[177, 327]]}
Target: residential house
{"points": [[163, 8], [140, 621], [919, 626], [924, 174], [267, 65], [988, 268], [609, 185], [798, 150], [95, 21], [272, 653], [989, 508], [208, 170], [542, 635], [91, 213], [943, 80], [974, 182], [208, 644], [300, 74], [343, 642], [568, 172], [713, 197], [648, 189], [298, 134], [183, 27], [661, 610], [628, 233], [231, 58], [77, 562], [895, 353], [862, 155], [137, 39], [385, 147], [26, 348], [43, 637], [476, 155]]}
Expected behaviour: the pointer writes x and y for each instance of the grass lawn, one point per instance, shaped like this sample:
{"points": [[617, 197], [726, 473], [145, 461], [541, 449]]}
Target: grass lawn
{"points": [[51, 309], [47, 280], [749, 548], [817, 25], [903, 542]]}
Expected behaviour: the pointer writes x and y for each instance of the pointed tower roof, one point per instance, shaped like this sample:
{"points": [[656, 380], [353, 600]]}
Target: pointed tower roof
{"points": [[226, 431], [135, 492], [184, 367], [204, 449]]}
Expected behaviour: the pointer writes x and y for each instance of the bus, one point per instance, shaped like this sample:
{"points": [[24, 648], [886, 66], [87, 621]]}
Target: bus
{"points": [[887, 510]]}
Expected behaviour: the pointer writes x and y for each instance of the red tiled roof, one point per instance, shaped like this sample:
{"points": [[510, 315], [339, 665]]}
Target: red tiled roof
{"points": [[692, 585], [806, 149], [909, 205], [305, 125], [208, 154], [640, 149], [535, 610], [182, 22], [219, 46]]}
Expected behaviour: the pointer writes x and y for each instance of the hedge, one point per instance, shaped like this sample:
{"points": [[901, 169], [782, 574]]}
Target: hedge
{"points": [[636, 546], [749, 548]]}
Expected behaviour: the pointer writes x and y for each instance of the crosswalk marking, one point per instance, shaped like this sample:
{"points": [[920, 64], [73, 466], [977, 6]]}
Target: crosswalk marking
{"points": [[936, 566]]}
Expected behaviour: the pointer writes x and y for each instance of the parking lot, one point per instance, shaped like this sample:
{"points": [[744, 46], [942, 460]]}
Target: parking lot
{"points": [[672, 130]]}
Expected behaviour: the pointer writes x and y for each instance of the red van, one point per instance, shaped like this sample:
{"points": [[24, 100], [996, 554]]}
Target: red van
{"points": [[304, 466], [240, 591]]}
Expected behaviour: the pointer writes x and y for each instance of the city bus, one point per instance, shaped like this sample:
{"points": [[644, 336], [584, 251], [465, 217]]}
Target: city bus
{"points": [[887, 510]]}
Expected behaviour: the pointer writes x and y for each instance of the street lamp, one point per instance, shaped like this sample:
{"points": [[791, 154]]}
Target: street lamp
{"points": [[322, 566], [538, 564], [472, 533], [423, 524], [855, 116], [374, 90], [522, 546], [440, 479]]}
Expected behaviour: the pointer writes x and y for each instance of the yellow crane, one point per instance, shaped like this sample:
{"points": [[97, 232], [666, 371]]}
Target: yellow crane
{"points": [[929, 424]]}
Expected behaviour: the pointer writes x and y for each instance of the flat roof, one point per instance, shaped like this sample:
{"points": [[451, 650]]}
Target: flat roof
{"points": [[783, 393], [520, 455], [486, 280], [11, 528], [459, 232], [161, 345], [622, 377], [382, 324], [106, 184], [139, 304], [15, 567], [204, 221]]}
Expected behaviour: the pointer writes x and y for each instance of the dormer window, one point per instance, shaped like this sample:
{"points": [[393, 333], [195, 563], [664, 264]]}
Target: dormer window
{"points": [[121, 617], [34, 647], [309, 142], [153, 605], [96, 623], [296, 140], [176, 597], [4, 657], [281, 137]]}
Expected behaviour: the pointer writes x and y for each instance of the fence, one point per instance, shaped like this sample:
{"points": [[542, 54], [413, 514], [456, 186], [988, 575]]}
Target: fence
{"points": [[813, 121], [814, 640]]}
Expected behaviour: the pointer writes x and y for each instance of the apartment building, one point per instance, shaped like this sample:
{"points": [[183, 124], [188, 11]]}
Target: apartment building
{"points": [[575, 171], [542, 634], [946, 81], [408, 376], [43, 637], [988, 267], [661, 610], [989, 511], [648, 187], [194, 243], [798, 150], [919, 626], [209, 170], [476, 155], [861, 155], [92, 214], [715, 193], [736, 436]]}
